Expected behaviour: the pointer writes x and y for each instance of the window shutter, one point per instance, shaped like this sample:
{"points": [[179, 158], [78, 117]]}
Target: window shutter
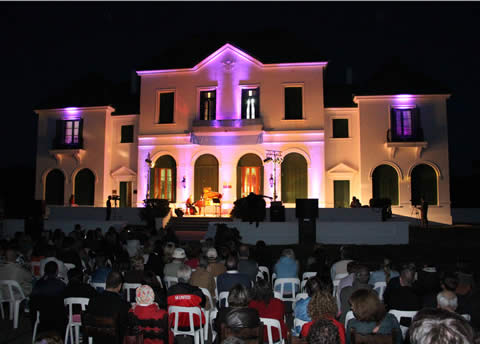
{"points": [[244, 103], [60, 130], [416, 123], [80, 133], [202, 105], [393, 123], [257, 102], [214, 105]]}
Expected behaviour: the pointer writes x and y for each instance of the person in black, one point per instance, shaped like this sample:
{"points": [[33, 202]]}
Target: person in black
{"points": [[109, 208], [110, 304], [423, 212]]}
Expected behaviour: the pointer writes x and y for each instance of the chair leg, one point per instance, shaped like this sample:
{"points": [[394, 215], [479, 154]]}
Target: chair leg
{"points": [[11, 306], [77, 334], [1, 310], [16, 314]]}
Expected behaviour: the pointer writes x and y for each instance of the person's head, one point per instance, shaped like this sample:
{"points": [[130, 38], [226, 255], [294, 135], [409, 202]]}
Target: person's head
{"points": [[149, 278], [407, 275], [439, 326], [238, 296], [114, 281], [51, 269], [449, 282], [243, 251], [212, 254], [11, 255], [144, 295], [49, 337], [362, 274], [352, 267], [179, 254], [262, 291], [323, 331], [202, 262], [322, 304], [448, 300], [231, 263], [137, 262], [288, 252], [109, 198], [101, 260], [366, 306], [75, 275], [168, 250], [184, 273], [233, 340], [260, 244], [345, 252], [238, 321], [313, 285]]}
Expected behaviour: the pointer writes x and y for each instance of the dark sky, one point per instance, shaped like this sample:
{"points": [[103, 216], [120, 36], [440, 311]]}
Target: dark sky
{"points": [[84, 53]]}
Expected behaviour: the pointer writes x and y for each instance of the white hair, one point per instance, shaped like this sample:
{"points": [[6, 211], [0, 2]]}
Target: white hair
{"points": [[288, 252], [443, 301], [184, 273]]}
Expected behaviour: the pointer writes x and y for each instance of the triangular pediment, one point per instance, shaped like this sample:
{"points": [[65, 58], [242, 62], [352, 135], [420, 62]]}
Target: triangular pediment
{"points": [[225, 49], [342, 168], [122, 172]]}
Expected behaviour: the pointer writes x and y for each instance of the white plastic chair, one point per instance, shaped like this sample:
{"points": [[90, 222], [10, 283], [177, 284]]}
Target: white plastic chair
{"points": [[335, 283], [274, 277], [129, 286], [160, 281], [379, 287], [298, 323], [308, 274], [349, 316], [216, 289], [37, 322], [208, 321], [269, 323], [302, 286], [402, 314], [98, 286], [223, 297], [467, 317], [282, 282], [340, 276], [196, 333], [169, 281], [263, 269], [69, 302], [299, 296], [69, 266], [14, 303]]}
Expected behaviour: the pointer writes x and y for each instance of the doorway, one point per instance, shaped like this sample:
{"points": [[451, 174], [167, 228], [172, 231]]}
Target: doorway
{"points": [[341, 193]]}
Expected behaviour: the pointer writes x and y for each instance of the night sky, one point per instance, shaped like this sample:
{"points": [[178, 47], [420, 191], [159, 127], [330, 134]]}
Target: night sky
{"points": [[85, 53]]}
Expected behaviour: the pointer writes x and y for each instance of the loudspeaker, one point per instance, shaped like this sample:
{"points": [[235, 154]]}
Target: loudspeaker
{"points": [[306, 208], [307, 231], [277, 212]]}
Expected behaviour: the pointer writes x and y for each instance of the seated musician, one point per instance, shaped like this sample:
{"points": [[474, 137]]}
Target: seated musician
{"points": [[191, 209]]}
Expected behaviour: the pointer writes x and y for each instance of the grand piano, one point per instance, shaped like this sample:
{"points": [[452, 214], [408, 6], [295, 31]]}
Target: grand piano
{"points": [[208, 200]]}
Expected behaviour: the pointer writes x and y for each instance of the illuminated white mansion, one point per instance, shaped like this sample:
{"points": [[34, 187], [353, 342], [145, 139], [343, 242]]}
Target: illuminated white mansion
{"points": [[213, 124]]}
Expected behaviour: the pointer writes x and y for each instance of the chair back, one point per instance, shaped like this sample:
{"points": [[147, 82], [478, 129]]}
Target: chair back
{"points": [[264, 269], [282, 282], [209, 297], [298, 323], [69, 266], [467, 317], [191, 311], [169, 281], [405, 315], [379, 287], [349, 316], [274, 277], [69, 302], [302, 286], [340, 276], [160, 281], [308, 274], [105, 329], [74, 322], [372, 338], [253, 335], [128, 288], [99, 287], [223, 299], [272, 323], [298, 297], [10, 286]]}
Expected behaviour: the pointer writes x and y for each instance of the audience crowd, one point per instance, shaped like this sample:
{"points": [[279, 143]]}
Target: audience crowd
{"points": [[343, 299]]}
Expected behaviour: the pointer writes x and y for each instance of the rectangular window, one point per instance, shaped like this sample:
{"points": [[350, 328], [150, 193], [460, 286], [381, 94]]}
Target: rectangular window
{"points": [[208, 105], [251, 103], [127, 134], [293, 103], [167, 105], [71, 133], [68, 134], [405, 124], [340, 127]]}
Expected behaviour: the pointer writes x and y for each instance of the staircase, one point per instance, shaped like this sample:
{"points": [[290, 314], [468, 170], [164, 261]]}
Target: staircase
{"points": [[194, 223]]}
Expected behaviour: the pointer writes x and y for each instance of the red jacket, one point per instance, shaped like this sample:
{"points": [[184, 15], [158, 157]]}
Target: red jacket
{"points": [[341, 328], [274, 310], [185, 295], [152, 321]]}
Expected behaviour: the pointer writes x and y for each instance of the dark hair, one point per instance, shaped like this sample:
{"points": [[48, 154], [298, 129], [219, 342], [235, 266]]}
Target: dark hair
{"points": [[75, 275], [150, 279], [231, 263], [439, 326], [313, 285], [323, 331], [51, 268], [238, 296], [262, 291], [366, 306], [450, 281], [114, 279]]}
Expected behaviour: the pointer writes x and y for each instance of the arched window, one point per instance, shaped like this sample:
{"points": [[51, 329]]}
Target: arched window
{"points": [[85, 187], [249, 175], [385, 183], [424, 183], [206, 175], [55, 187], [163, 179], [294, 178]]}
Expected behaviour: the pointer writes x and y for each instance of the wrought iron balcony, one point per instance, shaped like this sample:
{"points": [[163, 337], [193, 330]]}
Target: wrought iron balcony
{"points": [[417, 136], [59, 143]]}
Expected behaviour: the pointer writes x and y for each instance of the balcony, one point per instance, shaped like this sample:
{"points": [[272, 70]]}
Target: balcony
{"points": [[415, 142], [227, 132], [60, 150], [228, 125]]}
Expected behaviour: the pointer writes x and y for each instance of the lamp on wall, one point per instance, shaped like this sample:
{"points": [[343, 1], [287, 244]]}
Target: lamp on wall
{"points": [[184, 182], [148, 161], [275, 157], [271, 180]]}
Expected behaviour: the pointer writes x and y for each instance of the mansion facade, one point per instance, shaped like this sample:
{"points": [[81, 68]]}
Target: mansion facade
{"points": [[235, 125]]}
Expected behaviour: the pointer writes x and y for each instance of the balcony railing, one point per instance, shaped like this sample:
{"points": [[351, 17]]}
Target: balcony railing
{"points": [[417, 136], [59, 144]]}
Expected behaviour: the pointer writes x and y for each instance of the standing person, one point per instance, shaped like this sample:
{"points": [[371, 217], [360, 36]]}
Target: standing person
{"points": [[423, 212], [109, 208]]}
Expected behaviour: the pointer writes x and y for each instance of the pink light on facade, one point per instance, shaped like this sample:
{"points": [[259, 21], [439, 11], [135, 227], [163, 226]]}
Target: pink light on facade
{"points": [[71, 113]]}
